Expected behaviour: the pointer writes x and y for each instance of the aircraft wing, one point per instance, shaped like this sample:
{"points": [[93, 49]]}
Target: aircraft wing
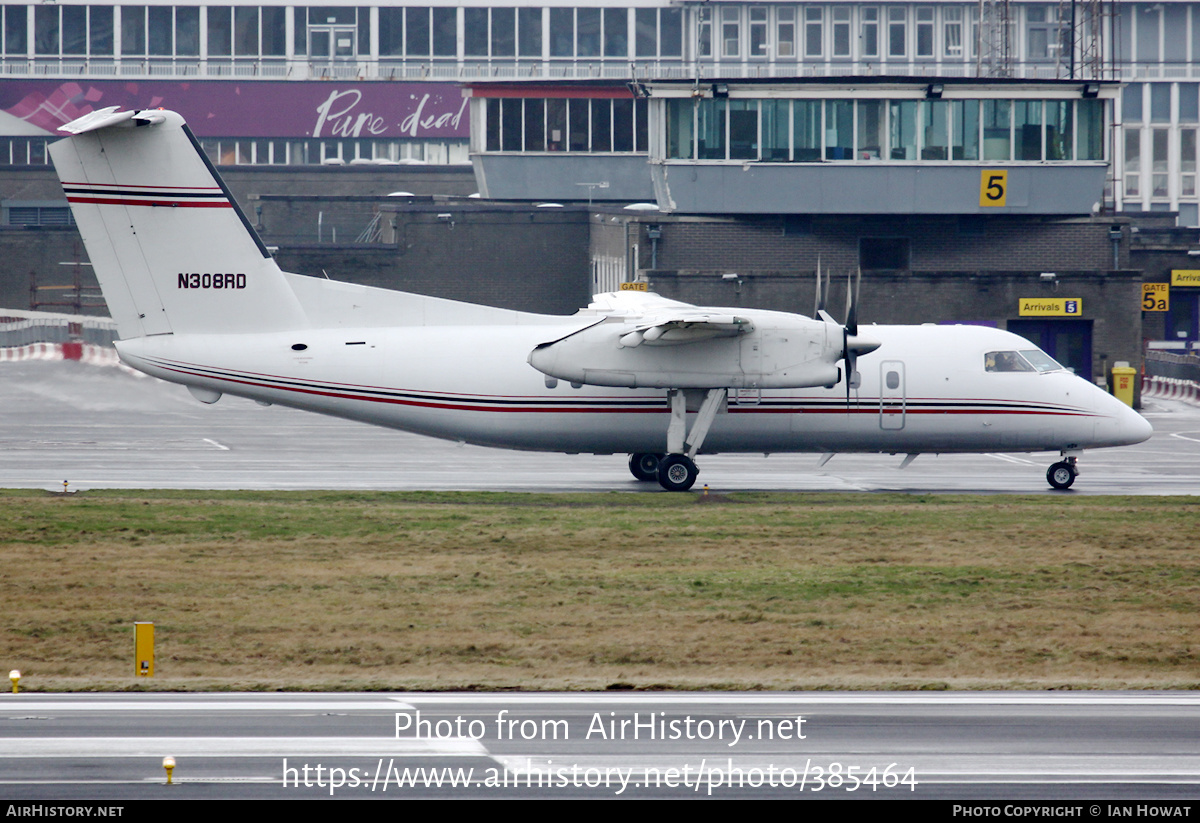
{"points": [[632, 303], [686, 328], [638, 339], [659, 321]]}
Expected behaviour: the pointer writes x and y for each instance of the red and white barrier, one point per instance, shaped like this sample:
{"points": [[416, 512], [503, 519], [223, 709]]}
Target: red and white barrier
{"points": [[1171, 388], [88, 353]]}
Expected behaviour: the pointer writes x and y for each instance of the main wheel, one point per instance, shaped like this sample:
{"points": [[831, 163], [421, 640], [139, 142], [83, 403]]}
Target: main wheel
{"points": [[644, 466], [677, 473], [1061, 475]]}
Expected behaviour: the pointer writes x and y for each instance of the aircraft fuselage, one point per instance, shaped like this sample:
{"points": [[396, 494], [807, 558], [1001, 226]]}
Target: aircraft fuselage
{"points": [[924, 390]]}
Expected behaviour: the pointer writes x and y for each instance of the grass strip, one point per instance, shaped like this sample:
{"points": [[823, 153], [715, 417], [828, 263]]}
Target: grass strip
{"points": [[348, 590]]}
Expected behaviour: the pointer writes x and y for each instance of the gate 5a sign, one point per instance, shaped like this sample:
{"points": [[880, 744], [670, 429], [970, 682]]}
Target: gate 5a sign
{"points": [[993, 187], [1156, 297]]}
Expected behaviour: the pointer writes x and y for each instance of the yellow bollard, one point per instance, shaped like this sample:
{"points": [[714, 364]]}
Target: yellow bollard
{"points": [[14, 676], [143, 649], [169, 765]]}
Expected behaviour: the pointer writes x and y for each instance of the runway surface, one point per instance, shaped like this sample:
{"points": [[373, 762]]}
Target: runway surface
{"points": [[103, 428], [961, 746]]}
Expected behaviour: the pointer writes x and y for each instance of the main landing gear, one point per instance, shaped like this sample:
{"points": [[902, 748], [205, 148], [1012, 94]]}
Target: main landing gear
{"points": [[645, 466], [676, 470], [1063, 473]]}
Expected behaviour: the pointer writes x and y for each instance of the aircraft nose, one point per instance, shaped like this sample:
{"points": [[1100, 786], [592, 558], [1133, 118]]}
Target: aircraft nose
{"points": [[1125, 427], [1135, 427]]}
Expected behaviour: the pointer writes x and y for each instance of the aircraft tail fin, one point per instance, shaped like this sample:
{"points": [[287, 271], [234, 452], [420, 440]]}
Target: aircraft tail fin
{"points": [[171, 249]]}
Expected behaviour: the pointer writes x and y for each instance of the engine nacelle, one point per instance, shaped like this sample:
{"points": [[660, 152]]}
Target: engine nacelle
{"points": [[766, 350]]}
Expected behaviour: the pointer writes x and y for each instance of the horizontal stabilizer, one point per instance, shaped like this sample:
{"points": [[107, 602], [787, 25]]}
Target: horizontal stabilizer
{"points": [[109, 117]]}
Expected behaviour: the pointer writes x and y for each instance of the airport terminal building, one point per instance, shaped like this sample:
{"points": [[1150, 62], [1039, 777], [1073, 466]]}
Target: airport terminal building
{"points": [[974, 159]]}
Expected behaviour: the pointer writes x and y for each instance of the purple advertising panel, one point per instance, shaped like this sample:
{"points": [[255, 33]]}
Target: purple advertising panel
{"points": [[257, 109]]}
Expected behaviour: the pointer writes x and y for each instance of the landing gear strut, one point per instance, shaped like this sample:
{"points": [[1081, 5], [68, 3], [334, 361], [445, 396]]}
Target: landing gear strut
{"points": [[1063, 473], [677, 469]]}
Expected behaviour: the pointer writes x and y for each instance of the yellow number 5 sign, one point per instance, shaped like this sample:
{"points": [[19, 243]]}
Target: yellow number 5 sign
{"points": [[993, 187]]}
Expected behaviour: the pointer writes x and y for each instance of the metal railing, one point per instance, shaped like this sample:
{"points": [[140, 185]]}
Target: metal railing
{"points": [[1175, 366], [451, 69]]}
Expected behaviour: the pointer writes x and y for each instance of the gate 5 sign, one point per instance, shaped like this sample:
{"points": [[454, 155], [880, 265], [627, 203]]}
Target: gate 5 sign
{"points": [[1156, 297], [993, 187]]}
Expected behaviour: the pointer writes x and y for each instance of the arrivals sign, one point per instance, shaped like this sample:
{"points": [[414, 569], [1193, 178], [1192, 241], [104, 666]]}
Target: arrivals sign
{"points": [[1185, 277], [256, 109], [1050, 307]]}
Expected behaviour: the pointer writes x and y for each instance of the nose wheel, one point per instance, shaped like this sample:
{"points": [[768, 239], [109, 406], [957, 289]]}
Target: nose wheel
{"points": [[1062, 474]]}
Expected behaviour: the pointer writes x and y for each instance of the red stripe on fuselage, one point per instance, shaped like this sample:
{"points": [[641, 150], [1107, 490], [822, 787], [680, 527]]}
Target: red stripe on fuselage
{"points": [[431, 404], [187, 204]]}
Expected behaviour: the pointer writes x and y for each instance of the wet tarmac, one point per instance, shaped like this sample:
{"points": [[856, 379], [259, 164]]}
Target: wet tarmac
{"points": [[98, 427]]}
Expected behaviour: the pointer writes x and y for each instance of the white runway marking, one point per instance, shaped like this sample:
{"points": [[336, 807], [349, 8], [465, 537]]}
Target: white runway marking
{"points": [[940, 768], [65, 703], [804, 700], [1008, 458], [241, 747]]}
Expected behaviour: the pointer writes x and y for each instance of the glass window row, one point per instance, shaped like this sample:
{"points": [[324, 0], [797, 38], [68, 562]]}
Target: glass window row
{"points": [[881, 130], [1152, 103], [841, 32], [31, 151], [572, 125], [1157, 160], [339, 32], [1147, 33], [231, 152]]}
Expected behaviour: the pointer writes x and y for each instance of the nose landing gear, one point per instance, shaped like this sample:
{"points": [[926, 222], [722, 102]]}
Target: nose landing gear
{"points": [[1063, 473]]}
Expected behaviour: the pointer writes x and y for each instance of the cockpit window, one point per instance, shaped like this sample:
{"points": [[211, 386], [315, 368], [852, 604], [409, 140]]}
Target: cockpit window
{"points": [[1025, 360], [997, 361], [1041, 361]]}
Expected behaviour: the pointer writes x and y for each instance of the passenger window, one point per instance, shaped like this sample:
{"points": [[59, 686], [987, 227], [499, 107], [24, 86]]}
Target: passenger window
{"points": [[997, 361], [893, 380]]}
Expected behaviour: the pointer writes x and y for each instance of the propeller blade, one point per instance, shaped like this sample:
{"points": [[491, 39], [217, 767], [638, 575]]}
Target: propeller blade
{"points": [[819, 299], [852, 314], [852, 348], [848, 356], [849, 297]]}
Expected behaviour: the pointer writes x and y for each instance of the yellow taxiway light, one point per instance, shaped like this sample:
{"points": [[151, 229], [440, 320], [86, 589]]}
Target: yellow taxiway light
{"points": [[15, 677], [169, 765]]}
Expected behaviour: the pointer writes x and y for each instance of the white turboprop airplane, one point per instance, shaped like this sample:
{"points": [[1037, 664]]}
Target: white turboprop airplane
{"points": [[199, 300]]}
